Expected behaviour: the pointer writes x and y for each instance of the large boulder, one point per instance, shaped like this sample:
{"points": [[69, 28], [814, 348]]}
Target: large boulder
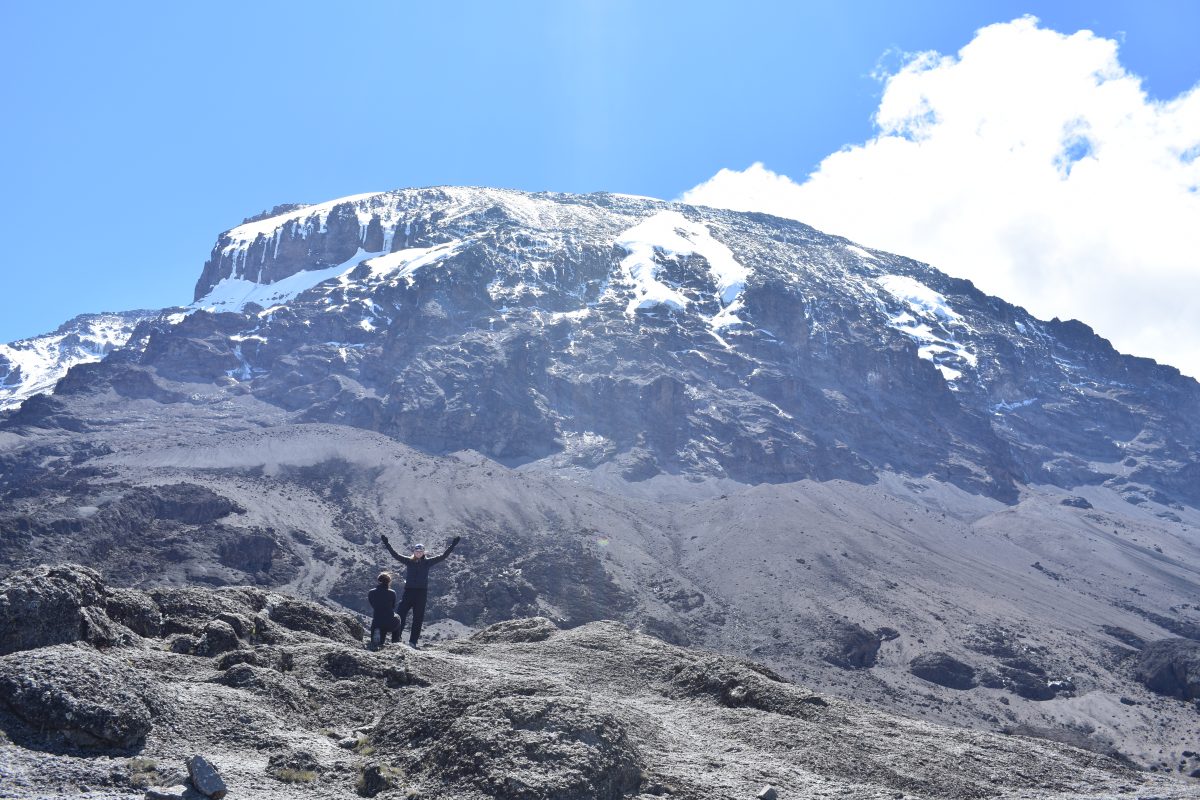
{"points": [[944, 670], [73, 695], [49, 605], [526, 740], [1170, 667], [301, 615], [739, 684], [850, 646]]}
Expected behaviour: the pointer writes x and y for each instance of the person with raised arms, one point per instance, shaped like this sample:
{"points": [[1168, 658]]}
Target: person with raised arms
{"points": [[416, 586]]}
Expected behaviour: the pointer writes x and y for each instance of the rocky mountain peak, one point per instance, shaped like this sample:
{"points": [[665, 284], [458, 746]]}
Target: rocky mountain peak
{"points": [[662, 338]]}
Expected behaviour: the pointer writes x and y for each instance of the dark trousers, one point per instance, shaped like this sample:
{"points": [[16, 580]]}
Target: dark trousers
{"points": [[384, 626], [411, 599]]}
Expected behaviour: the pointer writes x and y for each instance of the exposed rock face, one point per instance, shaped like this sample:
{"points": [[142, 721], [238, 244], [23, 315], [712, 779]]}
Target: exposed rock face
{"points": [[520, 710], [89, 699], [1171, 667], [944, 670], [54, 605], [512, 739], [34, 365]]}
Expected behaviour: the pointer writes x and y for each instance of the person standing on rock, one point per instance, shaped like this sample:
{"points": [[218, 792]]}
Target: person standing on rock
{"points": [[416, 586], [383, 607]]}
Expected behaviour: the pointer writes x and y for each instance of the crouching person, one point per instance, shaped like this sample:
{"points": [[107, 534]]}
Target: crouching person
{"points": [[383, 605]]}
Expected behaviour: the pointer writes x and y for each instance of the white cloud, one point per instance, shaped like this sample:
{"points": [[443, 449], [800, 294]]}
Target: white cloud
{"points": [[1033, 164]]}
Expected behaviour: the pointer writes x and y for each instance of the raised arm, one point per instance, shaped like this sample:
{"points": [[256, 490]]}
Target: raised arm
{"points": [[435, 559], [397, 556]]}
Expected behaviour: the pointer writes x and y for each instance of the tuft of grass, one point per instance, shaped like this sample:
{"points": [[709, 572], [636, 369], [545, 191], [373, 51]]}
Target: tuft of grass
{"points": [[143, 772], [296, 775]]}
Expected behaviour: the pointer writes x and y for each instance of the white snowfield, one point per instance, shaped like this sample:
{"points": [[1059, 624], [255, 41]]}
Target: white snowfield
{"points": [[927, 321], [670, 234], [234, 294]]}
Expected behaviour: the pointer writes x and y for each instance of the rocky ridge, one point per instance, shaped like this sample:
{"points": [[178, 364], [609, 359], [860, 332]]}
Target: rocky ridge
{"points": [[34, 365], [286, 699]]}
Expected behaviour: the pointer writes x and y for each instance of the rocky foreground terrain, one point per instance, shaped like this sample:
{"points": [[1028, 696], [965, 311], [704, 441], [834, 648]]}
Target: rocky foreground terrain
{"points": [[104, 692], [727, 431]]}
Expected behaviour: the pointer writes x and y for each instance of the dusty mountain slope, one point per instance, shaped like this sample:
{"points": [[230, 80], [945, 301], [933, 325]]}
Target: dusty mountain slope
{"points": [[283, 699], [807, 577]]}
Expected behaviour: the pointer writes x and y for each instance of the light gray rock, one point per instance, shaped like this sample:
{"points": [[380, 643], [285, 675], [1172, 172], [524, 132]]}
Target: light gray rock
{"points": [[179, 792], [71, 694], [205, 777]]}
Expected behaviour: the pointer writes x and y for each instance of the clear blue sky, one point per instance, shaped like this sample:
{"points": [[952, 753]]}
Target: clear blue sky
{"points": [[135, 132]]}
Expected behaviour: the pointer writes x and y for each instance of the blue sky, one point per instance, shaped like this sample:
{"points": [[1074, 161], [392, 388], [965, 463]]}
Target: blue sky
{"points": [[135, 132]]}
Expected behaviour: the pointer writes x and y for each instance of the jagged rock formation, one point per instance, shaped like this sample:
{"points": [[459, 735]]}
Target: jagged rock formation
{"points": [[725, 429], [519, 710], [34, 365]]}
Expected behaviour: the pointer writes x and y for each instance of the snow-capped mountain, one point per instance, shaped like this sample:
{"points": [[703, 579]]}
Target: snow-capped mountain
{"points": [[726, 428], [34, 365], [664, 338]]}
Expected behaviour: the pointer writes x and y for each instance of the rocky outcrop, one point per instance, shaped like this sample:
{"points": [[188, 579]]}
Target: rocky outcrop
{"points": [[67, 694], [944, 670], [34, 365], [55, 605], [512, 739], [520, 710], [849, 645], [1171, 667]]}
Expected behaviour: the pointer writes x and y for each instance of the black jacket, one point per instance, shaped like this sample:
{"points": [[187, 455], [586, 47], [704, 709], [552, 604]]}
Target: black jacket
{"points": [[383, 603], [416, 575]]}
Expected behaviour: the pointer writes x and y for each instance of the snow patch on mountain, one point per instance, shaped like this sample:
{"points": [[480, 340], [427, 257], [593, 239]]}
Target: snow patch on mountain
{"points": [[863, 254], [927, 319], [234, 294], [34, 365], [919, 297], [669, 234], [402, 264]]}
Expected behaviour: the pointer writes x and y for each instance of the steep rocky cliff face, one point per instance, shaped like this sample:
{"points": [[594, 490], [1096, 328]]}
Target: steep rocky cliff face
{"points": [[728, 430]]}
